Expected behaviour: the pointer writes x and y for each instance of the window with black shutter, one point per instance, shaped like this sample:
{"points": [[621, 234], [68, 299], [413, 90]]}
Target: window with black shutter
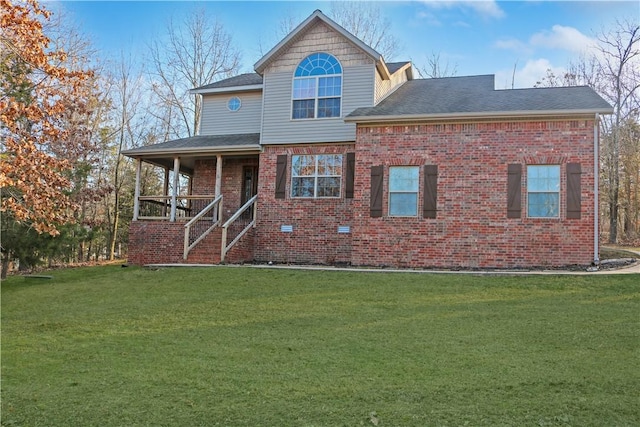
{"points": [[574, 197], [514, 191], [281, 176], [429, 208], [377, 178]]}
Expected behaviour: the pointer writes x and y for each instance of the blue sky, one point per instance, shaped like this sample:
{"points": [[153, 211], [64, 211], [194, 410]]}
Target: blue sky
{"points": [[478, 37]]}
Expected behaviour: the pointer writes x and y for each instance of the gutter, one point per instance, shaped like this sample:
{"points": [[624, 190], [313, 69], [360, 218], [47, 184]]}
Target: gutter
{"points": [[404, 118], [247, 88], [196, 150], [596, 190]]}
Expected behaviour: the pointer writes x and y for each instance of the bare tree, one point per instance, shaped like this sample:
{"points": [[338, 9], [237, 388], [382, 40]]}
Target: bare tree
{"points": [[619, 59], [196, 53], [365, 21], [614, 72], [582, 72], [436, 68]]}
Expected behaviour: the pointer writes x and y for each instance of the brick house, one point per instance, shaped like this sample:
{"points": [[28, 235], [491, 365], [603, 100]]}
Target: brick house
{"points": [[329, 155]]}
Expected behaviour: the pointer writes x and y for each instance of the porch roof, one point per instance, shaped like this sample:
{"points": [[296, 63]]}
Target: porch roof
{"points": [[201, 146]]}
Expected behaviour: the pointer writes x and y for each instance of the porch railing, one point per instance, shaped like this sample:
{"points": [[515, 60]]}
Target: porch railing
{"points": [[238, 225], [200, 225], [159, 207]]}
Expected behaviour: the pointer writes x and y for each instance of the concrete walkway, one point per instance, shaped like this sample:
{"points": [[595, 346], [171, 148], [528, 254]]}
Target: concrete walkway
{"points": [[630, 269]]}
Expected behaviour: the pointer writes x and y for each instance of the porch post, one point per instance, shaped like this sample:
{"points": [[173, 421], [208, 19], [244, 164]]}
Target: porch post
{"points": [[218, 174], [218, 213], [165, 191], [136, 196], [174, 194]]}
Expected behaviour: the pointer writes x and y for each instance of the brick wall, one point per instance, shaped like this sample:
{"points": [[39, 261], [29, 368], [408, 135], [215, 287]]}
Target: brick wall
{"points": [[315, 238], [204, 180], [156, 242], [162, 242], [471, 228]]}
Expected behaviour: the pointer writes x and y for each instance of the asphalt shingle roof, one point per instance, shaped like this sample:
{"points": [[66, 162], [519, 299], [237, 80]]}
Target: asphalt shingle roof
{"points": [[395, 66], [199, 142], [476, 94], [249, 79]]}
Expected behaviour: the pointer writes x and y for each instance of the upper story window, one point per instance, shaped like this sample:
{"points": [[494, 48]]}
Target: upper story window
{"points": [[234, 104], [317, 87]]}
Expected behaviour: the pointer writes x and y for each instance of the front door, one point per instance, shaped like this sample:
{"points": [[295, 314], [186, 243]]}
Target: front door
{"points": [[249, 186]]}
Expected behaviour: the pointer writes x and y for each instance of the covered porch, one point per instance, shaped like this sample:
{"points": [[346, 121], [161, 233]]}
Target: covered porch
{"points": [[207, 207]]}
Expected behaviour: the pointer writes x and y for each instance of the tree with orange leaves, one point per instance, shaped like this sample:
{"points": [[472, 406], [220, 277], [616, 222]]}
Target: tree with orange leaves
{"points": [[36, 94], [40, 90]]}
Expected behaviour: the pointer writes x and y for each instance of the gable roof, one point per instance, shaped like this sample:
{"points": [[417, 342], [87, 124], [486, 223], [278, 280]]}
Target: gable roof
{"points": [[475, 96], [395, 66], [297, 32], [239, 83]]}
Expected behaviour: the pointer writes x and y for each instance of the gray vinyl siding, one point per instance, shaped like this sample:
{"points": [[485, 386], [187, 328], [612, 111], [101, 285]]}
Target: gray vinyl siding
{"points": [[279, 128], [218, 120]]}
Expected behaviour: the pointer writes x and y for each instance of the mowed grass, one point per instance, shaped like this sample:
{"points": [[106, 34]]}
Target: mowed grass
{"points": [[111, 346]]}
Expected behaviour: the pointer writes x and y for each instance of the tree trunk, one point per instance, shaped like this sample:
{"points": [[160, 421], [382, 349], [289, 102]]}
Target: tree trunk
{"points": [[5, 266], [613, 216], [114, 235]]}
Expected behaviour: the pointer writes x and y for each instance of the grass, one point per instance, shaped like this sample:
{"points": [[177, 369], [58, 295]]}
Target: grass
{"points": [[109, 346]]}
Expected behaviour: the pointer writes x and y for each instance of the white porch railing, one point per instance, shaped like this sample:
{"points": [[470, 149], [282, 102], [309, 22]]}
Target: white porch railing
{"points": [[200, 225], [158, 208], [251, 221]]}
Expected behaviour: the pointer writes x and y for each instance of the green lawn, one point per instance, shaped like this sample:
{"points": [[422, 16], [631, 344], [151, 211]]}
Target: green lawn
{"points": [[112, 346]]}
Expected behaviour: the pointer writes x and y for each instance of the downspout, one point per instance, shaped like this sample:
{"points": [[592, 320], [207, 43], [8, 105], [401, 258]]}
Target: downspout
{"points": [[596, 186]]}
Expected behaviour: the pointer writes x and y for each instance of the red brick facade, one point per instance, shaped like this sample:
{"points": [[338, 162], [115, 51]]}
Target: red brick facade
{"points": [[162, 242], [470, 230], [315, 238]]}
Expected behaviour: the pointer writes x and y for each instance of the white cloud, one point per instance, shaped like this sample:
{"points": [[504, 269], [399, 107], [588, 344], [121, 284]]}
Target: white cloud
{"points": [[512, 44], [430, 19], [532, 72], [565, 38], [485, 8]]}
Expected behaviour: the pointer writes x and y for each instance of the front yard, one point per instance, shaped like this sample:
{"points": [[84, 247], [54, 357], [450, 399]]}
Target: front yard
{"points": [[228, 346]]}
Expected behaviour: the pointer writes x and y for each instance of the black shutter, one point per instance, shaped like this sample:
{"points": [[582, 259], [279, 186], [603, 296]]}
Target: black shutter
{"points": [[377, 179], [429, 208], [281, 176], [514, 191], [574, 197], [350, 175]]}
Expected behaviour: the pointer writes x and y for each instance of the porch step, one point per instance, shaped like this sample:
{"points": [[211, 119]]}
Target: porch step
{"points": [[208, 250]]}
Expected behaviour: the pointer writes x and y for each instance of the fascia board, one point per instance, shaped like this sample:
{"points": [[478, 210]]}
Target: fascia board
{"points": [[487, 115], [193, 151], [248, 88]]}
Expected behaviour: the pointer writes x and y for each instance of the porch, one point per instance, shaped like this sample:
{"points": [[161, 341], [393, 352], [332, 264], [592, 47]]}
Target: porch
{"points": [[206, 211]]}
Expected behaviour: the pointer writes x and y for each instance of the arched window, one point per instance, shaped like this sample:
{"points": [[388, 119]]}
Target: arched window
{"points": [[317, 87]]}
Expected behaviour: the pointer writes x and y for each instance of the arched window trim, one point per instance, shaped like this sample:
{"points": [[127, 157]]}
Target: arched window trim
{"points": [[317, 87]]}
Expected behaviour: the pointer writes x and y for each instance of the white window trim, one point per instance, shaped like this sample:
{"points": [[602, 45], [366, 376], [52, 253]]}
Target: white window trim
{"points": [[417, 193], [239, 104], [317, 97], [315, 177], [546, 192]]}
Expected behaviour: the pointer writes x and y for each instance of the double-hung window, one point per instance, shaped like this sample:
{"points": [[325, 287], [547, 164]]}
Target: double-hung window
{"points": [[403, 190], [316, 175], [317, 87], [543, 191]]}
